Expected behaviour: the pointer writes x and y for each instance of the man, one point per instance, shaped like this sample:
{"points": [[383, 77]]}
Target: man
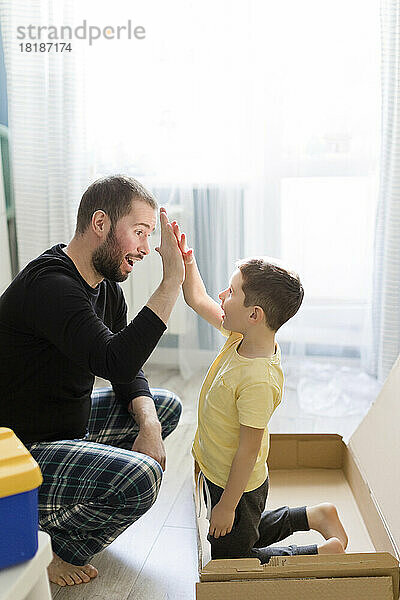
{"points": [[63, 321]]}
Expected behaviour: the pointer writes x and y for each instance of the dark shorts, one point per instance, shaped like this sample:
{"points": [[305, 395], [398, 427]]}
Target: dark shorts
{"points": [[255, 529]]}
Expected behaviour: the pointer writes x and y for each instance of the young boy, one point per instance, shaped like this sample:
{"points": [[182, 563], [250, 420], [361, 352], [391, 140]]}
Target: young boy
{"points": [[238, 397]]}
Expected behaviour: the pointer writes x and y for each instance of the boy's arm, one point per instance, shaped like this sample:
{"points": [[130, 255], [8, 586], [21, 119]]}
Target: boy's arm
{"points": [[194, 290], [196, 296], [223, 513]]}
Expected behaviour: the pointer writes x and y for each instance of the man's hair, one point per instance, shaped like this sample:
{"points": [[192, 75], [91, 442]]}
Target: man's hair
{"points": [[277, 291], [114, 195]]}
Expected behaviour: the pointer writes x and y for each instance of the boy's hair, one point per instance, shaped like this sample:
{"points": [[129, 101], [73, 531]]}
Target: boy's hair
{"points": [[114, 195], [277, 291]]}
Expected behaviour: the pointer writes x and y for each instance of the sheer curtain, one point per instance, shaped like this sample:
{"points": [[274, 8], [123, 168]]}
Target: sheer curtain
{"points": [[255, 123], [258, 125], [47, 122], [385, 312]]}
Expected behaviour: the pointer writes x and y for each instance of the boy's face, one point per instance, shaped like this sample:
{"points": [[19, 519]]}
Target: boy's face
{"points": [[232, 302]]}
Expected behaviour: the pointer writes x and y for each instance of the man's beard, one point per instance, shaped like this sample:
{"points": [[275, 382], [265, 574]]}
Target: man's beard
{"points": [[107, 259]]}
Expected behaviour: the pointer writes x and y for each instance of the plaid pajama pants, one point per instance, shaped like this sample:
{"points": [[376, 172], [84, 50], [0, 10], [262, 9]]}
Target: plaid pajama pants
{"points": [[94, 488]]}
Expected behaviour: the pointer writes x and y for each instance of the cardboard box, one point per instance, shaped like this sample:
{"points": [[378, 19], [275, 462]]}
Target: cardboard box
{"points": [[362, 479]]}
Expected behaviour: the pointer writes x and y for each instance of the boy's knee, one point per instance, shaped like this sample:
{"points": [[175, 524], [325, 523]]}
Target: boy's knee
{"points": [[229, 546]]}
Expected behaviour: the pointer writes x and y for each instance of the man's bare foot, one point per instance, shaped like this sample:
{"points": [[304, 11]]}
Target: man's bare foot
{"points": [[325, 519], [332, 546], [64, 573]]}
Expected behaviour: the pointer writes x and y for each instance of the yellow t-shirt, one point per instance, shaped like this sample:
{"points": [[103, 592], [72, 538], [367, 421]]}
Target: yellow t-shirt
{"points": [[235, 391]]}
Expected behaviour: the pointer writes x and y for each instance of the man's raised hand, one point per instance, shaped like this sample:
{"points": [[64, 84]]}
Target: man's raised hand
{"points": [[163, 300], [169, 250]]}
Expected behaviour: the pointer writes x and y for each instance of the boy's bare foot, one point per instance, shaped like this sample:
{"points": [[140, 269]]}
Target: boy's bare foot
{"points": [[64, 573], [325, 519], [332, 546]]}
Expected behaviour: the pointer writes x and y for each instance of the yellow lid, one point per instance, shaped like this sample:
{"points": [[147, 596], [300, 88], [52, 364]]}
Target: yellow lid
{"points": [[19, 472]]}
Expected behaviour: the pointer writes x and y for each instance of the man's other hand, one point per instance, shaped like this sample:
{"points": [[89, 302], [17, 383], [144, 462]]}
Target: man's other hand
{"points": [[150, 442]]}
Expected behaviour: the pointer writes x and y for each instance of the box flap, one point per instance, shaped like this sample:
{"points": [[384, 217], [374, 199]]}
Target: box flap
{"points": [[331, 566], [349, 588], [375, 446]]}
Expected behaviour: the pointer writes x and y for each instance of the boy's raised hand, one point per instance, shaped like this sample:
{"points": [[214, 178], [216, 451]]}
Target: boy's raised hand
{"points": [[187, 254], [194, 291]]}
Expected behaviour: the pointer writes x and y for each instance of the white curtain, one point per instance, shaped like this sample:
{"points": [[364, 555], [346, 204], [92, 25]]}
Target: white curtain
{"points": [[256, 109], [47, 122], [257, 125], [386, 292]]}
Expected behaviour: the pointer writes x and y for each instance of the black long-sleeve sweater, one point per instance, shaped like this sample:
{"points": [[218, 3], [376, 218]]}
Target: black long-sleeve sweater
{"points": [[56, 333]]}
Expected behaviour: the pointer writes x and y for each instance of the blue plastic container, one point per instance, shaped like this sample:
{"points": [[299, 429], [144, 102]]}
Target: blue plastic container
{"points": [[20, 478]]}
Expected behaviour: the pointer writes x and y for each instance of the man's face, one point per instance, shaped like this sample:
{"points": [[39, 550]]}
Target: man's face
{"points": [[232, 304], [126, 243]]}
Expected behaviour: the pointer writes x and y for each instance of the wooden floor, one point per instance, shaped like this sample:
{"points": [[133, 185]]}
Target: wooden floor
{"points": [[156, 558]]}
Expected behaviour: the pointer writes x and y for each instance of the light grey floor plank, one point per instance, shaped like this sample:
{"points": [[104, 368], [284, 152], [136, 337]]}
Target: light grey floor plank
{"points": [[170, 571], [182, 513]]}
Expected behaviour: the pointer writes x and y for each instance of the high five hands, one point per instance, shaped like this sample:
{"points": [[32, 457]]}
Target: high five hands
{"points": [[170, 252]]}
